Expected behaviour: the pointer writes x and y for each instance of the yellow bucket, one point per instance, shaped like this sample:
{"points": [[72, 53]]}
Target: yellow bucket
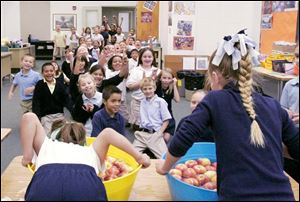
{"points": [[117, 189]]}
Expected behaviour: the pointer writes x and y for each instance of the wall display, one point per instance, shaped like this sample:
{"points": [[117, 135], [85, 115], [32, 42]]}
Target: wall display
{"points": [[66, 21], [150, 5], [266, 21], [201, 63], [188, 63], [170, 19], [146, 17], [184, 8], [184, 28], [170, 6], [183, 43]]}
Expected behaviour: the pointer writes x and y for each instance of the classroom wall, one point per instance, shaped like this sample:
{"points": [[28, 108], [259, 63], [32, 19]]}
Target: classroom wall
{"points": [[66, 7], [212, 21], [30, 12], [10, 20]]}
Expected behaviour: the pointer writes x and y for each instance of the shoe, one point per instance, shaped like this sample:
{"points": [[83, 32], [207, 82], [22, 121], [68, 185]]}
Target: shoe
{"points": [[127, 125]]}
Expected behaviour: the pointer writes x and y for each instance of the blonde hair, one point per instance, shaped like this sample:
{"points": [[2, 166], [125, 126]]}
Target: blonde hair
{"points": [[147, 81], [85, 76], [166, 70], [244, 80]]}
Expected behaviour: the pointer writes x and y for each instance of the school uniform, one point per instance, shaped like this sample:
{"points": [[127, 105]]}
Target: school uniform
{"points": [[245, 172], [82, 116], [48, 102], [24, 81], [136, 76], [66, 172], [153, 113], [102, 120]]}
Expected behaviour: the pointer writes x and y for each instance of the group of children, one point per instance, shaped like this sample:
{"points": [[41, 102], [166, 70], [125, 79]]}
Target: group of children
{"points": [[248, 128]]}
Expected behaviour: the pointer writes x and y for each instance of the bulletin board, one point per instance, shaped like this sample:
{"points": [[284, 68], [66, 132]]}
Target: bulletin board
{"points": [[284, 28], [147, 13]]}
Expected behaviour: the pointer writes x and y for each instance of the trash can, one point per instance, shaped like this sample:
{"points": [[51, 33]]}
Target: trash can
{"points": [[193, 82], [181, 81]]}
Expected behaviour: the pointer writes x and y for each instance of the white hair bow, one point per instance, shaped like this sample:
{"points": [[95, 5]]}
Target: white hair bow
{"points": [[227, 46]]}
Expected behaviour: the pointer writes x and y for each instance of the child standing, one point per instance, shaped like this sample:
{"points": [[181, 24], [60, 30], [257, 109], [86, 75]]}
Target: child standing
{"points": [[167, 89], [26, 79], [133, 61], [145, 68], [67, 170], [59, 41], [154, 121], [248, 127], [109, 116], [49, 98], [88, 103]]}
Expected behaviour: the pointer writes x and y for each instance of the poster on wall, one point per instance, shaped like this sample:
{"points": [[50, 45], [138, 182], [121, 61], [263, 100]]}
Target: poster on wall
{"points": [[65, 21], [150, 5], [184, 8], [266, 21], [146, 17], [267, 7], [183, 43], [201, 63], [184, 28]]}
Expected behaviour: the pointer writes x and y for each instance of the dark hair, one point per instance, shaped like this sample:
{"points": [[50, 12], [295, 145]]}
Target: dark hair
{"points": [[109, 90], [134, 50], [58, 68], [47, 64], [110, 61], [72, 132], [97, 67], [142, 51], [82, 59]]}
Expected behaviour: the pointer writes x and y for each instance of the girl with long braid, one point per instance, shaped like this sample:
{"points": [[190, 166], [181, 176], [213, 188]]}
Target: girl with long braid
{"points": [[249, 129]]}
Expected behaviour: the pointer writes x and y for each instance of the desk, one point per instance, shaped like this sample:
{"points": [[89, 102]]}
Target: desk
{"points": [[6, 64], [148, 184], [18, 53], [271, 82], [4, 133]]}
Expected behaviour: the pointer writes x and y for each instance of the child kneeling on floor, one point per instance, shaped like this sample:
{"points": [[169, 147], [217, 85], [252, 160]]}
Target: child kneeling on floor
{"points": [[67, 170]]}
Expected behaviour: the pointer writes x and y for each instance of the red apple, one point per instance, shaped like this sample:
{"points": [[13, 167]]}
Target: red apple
{"points": [[214, 179], [195, 181], [190, 163], [199, 169], [202, 179], [203, 161], [175, 172], [181, 166], [210, 168], [189, 172], [214, 164], [113, 170], [177, 176], [188, 180], [210, 185]]}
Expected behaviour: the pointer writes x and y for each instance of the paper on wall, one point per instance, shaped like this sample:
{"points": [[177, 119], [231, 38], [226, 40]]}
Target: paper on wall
{"points": [[188, 63]]}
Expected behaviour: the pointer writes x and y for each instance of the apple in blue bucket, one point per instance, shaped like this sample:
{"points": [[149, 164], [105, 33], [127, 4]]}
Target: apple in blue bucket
{"points": [[199, 172]]}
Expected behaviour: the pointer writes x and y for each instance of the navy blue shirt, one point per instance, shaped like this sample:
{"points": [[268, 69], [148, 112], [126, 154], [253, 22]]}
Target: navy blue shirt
{"points": [[102, 120], [244, 171]]}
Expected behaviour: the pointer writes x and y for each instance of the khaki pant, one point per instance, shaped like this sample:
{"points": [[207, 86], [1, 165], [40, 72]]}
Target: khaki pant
{"points": [[154, 141], [26, 106], [135, 117], [47, 121], [59, 51], [124, 111]]}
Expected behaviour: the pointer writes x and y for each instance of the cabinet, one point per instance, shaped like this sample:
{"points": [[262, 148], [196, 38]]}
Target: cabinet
{"points": [[17, 55], [43, 49]]}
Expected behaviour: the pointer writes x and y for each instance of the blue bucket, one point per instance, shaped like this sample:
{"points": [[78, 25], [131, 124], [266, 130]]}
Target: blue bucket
{"points": [[181, 191]]}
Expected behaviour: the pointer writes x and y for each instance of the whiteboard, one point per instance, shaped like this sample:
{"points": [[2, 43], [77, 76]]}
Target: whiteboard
{"points": [[125, 23]]}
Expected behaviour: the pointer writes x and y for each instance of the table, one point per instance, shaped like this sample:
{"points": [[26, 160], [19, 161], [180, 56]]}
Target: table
{"points": [[6, 64], [271, 82], [4, 133], [148, 184]]}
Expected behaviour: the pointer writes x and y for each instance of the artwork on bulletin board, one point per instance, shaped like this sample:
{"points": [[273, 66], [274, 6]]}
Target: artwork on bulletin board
{"points": [[267, 7], [280, 6], [150, 5], [201, 63], [266, 21], [184, 8], [184, 28], [183, 43], [66, 21], [146, 17]]}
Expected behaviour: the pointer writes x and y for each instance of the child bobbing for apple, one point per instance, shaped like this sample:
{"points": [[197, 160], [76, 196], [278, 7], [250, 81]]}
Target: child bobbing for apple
{"points": [[249, 129], [65, 169]]}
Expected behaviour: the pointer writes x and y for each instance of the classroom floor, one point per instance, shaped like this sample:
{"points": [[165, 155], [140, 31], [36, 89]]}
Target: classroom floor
{"points": [[11, 114]]}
